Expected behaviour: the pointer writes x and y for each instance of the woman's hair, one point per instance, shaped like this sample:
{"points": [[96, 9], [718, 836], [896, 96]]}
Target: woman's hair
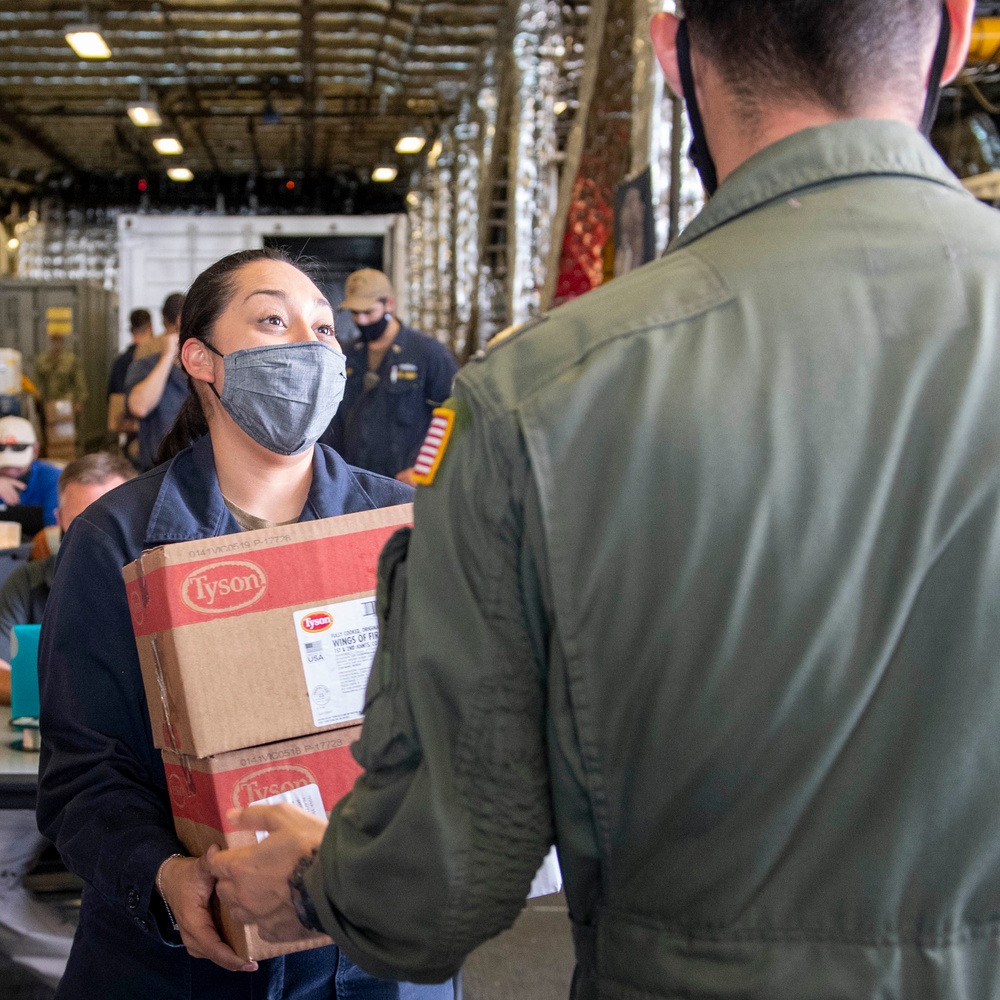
{"points": [[205, 302]]}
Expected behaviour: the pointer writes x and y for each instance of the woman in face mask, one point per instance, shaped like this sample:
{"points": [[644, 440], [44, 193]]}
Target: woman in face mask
{"points": [[266, 376]]}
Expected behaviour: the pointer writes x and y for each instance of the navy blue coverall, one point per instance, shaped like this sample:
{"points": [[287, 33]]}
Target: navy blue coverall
{"points": [[102, 795]]}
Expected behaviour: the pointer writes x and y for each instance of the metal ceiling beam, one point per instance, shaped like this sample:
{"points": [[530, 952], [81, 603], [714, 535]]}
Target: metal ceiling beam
{"points": [[309, 109], [38, 139], [254, 148], [377, 58], [191, 90], [126, 143]]}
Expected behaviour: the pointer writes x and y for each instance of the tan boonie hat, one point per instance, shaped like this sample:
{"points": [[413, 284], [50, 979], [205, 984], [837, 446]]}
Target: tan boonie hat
{"points": [[364, 288]]}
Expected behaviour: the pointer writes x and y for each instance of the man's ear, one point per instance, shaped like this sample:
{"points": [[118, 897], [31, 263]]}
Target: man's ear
{"points": [[197, 361], [961, 13], [663, 34]]}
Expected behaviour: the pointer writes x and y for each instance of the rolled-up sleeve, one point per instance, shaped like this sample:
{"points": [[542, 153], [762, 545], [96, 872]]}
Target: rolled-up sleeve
{"points": [[435, 849]]}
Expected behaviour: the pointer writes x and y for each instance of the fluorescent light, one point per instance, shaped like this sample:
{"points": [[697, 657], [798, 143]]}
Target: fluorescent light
{"points": [[432, 156], [168, 146], [180, 174], [410, 144], [559, 107], [144, 114], [384, 174], [87, 43]]}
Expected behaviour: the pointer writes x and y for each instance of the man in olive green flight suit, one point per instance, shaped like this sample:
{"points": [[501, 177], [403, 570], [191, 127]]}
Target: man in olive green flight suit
{"points": [[706, 582]]}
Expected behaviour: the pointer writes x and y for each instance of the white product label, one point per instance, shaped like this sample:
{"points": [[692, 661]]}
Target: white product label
{"points": [[337, 645], [548, 878], [306, 797]]}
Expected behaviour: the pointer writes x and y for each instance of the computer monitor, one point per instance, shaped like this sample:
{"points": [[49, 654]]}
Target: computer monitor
{"points": [[31, 517], [24, 671]]}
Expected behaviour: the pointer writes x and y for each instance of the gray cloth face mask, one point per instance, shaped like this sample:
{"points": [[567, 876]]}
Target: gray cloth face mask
{"points": [[282, 395]]}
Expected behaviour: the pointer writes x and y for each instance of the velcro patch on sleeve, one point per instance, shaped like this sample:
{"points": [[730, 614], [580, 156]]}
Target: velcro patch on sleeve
{"points": [[433, 449]]}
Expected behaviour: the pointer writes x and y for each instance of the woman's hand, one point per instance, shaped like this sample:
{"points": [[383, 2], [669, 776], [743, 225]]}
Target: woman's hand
{"points": [[186, 887]]}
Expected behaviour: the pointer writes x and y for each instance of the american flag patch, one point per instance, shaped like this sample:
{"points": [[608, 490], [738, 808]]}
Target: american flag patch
{"points": [[432, 451]]}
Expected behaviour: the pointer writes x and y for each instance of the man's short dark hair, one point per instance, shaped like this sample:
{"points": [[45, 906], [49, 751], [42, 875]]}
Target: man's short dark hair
{"points": [[139, 318], [837, 52], [172, 306], [98, 467]]}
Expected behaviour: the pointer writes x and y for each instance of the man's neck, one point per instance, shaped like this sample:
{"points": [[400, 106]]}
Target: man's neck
{"points": [[734, 137], [377, 348]]}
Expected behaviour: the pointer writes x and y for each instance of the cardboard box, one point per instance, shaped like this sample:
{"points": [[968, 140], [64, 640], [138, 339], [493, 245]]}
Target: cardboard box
{"points": [[10, 534], [60, 432], [58, 409], [261, 636], [60, 451], [315, 773], [116, 411]]}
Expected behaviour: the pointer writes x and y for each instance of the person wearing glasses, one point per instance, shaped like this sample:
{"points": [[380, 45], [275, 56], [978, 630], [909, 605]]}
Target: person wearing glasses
{"points": [[25, 479]]}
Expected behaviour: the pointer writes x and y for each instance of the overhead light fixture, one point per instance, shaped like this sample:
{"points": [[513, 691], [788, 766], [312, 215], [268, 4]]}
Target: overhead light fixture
{"points": [[411, 143], [145, 114], [13, 243], [384, 174], [560, 107], [86, 41], [434, 154], [167, 145], [413, 199], [180, 174]]}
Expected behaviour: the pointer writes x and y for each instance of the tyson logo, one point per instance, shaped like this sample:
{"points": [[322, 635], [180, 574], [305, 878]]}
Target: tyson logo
{"points": [[318, 622], [268, 781], [224, 586], [180, 793]]}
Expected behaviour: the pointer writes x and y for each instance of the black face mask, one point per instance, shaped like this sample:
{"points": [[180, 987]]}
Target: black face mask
{"points": [[701, 155], [937, 70], [372, 331]]}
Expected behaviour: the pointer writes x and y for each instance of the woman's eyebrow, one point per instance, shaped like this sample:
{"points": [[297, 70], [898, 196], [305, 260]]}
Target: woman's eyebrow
{"points": [[278, 293]]}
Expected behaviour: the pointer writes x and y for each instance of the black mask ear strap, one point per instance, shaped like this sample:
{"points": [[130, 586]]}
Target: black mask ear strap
{"points": [[700, 154], [937, 71], [211, 385]]}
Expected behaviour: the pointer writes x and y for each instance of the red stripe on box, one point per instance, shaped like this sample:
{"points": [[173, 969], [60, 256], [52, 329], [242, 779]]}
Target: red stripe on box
{"points": [[317, 571], [206, 798]]}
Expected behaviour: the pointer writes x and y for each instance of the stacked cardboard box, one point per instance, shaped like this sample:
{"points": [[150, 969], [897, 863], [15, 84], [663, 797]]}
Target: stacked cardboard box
{"points": [[255, 651], [60, 430]]}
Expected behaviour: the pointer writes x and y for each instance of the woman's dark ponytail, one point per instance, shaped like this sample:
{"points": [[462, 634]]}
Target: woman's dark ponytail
{"points": [[189, 425]]}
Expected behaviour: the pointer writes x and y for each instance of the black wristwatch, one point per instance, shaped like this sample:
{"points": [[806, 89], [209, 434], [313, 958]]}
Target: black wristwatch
{"points": [[304, 908]]}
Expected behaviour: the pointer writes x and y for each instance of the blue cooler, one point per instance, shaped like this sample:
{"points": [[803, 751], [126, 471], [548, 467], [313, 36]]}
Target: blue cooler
{"points": [[24, 683]]}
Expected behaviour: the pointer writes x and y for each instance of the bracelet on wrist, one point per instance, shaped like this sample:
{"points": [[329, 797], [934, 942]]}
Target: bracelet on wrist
{"points": [[304, 908], [159, 888]]}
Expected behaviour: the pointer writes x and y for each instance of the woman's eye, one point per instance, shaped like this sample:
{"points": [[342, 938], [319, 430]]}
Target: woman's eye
{"points": [[274, 320], [325, 331]]}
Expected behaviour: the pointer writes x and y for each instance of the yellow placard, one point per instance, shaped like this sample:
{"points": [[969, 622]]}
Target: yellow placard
{"points": [[56, 329], [59, 312]]}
